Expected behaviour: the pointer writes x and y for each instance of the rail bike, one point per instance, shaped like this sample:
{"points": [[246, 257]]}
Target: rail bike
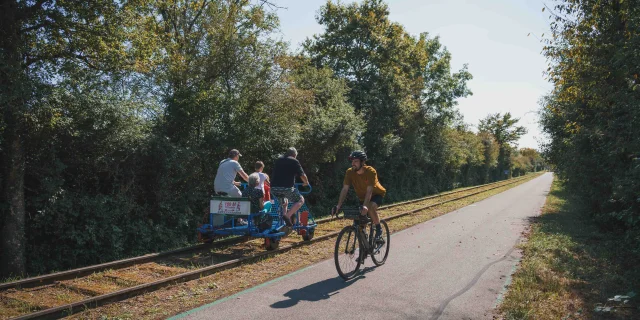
{"points": [[224, 213]]}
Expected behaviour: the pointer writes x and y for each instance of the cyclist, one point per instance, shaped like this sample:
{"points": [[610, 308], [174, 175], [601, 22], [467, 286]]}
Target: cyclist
{"points": [[285, 170], [370, 192]]}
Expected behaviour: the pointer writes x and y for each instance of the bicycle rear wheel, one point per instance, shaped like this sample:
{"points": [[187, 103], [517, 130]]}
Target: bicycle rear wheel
{"points": [[347, 253], [381, 249]]}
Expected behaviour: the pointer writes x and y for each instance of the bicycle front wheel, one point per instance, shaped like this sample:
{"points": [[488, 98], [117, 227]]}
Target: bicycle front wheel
{"points": [[347, 253], [380, 249]]}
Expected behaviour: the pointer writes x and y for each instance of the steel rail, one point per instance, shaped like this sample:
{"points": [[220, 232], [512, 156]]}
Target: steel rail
{"points": [[93, 302], [119, 264]]}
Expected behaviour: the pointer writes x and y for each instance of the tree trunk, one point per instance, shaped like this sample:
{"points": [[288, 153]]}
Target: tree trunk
{"points": [[503, 164], [12, 102], [13, 242]]}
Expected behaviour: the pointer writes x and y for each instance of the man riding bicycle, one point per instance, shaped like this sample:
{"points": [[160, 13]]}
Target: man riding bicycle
{"points": [[364, 180]]}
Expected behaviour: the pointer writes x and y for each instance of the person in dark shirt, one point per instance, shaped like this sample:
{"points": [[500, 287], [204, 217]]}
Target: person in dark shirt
{"points": [[285, 170]]}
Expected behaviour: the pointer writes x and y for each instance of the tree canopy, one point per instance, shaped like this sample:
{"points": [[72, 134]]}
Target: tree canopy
{"points": [[503, 128]]}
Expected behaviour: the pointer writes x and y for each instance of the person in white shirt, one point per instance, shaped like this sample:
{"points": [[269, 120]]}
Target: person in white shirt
{"points": [[226, 175], [263, 176]]}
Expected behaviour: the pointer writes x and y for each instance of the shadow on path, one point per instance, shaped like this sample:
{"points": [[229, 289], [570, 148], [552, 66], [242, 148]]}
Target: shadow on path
{"points": [[318, 291]]}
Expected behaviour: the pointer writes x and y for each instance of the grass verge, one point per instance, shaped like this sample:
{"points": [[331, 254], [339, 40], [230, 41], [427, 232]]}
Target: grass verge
{"points": [[572, 270]]}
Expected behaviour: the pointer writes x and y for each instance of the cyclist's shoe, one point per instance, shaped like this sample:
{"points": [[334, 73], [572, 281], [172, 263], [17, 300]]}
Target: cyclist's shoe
{"points": [[286, 229], [378, 238], [287, 221]]}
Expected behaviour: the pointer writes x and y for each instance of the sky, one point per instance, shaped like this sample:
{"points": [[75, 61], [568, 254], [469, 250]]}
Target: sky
{"points": [[491, 36]]}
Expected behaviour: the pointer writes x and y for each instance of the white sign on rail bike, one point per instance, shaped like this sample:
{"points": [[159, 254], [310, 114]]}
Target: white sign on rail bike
{"points": [[237, 206]]}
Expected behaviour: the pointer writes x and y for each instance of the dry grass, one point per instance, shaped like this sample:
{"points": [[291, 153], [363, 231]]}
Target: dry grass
{"points": [[570, 268], [186, 296], [45, 297], [10, 308]]}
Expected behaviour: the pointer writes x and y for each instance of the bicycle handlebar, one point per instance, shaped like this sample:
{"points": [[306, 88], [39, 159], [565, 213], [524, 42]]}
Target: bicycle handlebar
{"points": [[298, 185]]}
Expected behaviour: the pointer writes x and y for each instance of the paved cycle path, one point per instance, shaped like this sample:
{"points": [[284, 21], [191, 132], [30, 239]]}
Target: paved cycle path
{"points": [[455, 266]]}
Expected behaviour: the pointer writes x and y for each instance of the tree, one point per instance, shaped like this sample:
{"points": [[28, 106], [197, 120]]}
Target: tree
{"points": [[465, 152], [329, 123], [526, 160], [533, 157], [503, 128], [591, 116], [374, 56], [491, 154], [214, 65], [37, 38], [401, 84]]}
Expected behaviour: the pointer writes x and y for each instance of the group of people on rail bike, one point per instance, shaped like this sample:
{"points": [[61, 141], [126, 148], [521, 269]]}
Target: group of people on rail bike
{"points": [[286, 168]]}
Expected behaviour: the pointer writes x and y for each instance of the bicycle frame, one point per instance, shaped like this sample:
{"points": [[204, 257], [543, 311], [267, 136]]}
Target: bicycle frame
{"points": [[365, 240]]}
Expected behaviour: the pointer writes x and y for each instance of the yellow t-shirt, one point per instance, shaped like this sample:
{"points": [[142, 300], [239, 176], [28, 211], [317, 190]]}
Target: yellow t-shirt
{"points": [[360, 182]]}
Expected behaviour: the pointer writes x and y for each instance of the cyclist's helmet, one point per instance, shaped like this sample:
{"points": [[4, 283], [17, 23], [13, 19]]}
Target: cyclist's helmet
{"points": [[358, 155]]}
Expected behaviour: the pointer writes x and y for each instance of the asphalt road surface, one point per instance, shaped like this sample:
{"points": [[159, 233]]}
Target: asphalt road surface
{"points": [[455, 266]]}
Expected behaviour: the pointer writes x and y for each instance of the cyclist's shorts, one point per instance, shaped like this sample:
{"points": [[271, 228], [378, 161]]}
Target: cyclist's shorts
{"points": [[375, 198], [290, 193]]}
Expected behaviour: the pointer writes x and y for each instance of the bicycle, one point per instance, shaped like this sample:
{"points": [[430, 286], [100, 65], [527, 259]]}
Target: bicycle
{"points": [[347, 256]]}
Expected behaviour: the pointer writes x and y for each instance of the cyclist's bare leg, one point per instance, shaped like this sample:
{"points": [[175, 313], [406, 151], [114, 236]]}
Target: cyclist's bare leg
{"points": [[283, 206], [373, 212], [295, 207]]}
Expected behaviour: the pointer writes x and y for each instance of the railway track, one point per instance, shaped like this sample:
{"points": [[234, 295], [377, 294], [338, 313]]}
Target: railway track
{"points": [[60, 294]]}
